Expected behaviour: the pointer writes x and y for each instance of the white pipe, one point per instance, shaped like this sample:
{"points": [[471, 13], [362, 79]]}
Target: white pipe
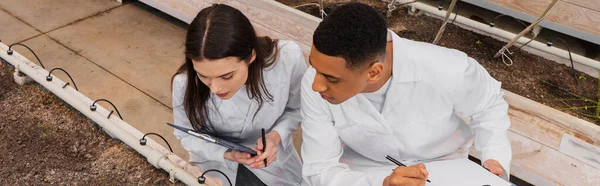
{"points": [[493, 31], [114, 126]]}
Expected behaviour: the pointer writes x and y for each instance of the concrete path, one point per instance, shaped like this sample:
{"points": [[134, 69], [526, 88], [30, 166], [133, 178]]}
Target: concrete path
{"points": [[125, 53]]}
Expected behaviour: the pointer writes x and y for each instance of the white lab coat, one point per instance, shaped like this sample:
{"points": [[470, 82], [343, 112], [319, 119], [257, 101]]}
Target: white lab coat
{"points": [[234, 117], [346, 144]]}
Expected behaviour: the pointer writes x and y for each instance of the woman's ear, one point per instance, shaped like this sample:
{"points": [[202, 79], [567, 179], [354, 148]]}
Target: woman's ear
{"points": [[253, 56]]}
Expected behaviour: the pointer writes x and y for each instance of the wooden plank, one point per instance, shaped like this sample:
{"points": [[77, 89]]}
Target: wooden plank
{"points": [[274, 20], [273, 15], [539, 164], [535, 128], [563, 122], [285, 12], [264, 31], [516, 171], [550, 164], [529, 18], [580, 150], [589, 4], [567, 14], [536, 135], [538, 128], [269, 19]]}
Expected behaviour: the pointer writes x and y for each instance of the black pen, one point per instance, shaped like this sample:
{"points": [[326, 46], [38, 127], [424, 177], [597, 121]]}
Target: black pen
{"points": [[264, 145], [398, 163]]}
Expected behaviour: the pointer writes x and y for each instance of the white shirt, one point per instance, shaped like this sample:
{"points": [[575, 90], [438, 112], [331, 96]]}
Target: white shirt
{"points": [[377, 98], [346, 144], [234, 117]]}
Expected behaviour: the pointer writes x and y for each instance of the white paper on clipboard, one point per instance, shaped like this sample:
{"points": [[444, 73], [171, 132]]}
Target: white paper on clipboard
{"points": [[461, 172]]}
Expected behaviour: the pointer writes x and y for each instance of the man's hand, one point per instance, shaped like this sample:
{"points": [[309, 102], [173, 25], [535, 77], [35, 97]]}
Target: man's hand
{"points": [[493, 166], [415, 175]]}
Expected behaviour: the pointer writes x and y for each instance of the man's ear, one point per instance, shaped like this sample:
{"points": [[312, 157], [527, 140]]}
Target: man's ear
{"points": [[374, 72]]}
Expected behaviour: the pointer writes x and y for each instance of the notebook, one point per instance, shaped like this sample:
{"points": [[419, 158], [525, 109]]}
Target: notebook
{"points": [[461, 172]]}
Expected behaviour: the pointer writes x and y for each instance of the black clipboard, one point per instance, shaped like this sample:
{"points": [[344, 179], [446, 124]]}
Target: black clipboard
{"points": [[215, 140]]}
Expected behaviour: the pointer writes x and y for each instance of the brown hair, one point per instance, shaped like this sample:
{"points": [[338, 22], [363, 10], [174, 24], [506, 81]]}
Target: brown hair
{"points": [[218, 32]]}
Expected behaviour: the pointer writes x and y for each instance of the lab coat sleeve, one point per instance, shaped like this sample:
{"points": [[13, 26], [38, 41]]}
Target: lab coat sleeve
{"points": [[322, 147], [290, 120], [479, 97], [192, 144]]}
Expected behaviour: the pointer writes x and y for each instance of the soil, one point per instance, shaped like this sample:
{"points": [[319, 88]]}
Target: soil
{"points": [[547, 82], [46, 142]]}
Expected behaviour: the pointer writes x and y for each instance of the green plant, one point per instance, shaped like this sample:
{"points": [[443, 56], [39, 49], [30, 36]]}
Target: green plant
{"points": [[587, 103], [598, 103], [582, 77]]}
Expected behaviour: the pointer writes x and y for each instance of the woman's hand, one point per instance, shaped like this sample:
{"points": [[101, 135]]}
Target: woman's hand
{"points": [[237, 156], [272, 140]]}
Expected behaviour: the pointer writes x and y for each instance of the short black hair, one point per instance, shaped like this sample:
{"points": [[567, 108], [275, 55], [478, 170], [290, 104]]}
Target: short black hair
{"points": [[354, 31]]}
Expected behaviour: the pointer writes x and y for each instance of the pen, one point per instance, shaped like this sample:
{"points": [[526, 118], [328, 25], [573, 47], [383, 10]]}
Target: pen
{"points": [[264, 141], [398, 163]]}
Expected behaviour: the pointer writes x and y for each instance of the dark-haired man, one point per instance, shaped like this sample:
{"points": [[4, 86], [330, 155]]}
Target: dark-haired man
{"points": [[370, 93]]}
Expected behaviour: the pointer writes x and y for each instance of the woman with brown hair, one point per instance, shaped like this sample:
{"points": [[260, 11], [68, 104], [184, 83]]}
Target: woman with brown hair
{"points": [[232, 84]]}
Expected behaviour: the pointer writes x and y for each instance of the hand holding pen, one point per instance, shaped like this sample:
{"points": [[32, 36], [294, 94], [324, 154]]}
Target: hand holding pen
{"points": [[266, 146], [406, 175]]}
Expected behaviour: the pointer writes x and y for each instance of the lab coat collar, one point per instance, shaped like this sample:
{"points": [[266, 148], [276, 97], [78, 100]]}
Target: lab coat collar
{"points": [[404, 68], [405, 72]]}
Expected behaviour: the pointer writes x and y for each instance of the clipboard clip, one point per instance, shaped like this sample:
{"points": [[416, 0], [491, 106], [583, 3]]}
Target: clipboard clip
{"points": [[203, 136], [212, 140]]}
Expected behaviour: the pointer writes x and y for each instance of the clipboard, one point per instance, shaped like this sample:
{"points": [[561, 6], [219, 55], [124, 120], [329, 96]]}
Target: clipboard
{"points": [[215, 140], [461, 172]]}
